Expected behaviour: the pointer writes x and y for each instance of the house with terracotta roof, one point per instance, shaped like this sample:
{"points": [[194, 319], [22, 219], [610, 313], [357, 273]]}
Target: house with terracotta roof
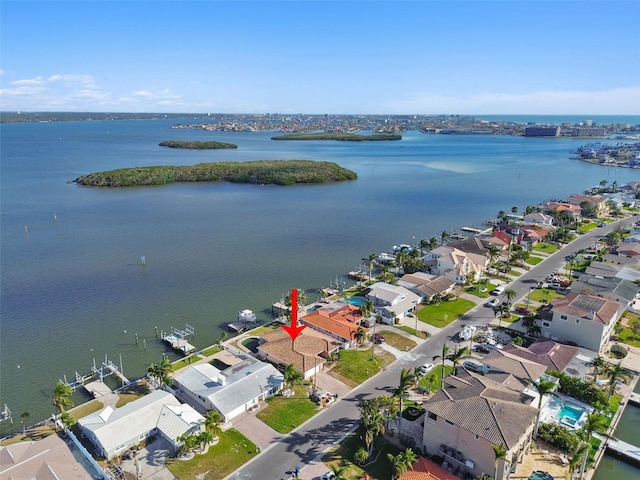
{"points": [[471, 415], [338, 321], [585, 320], [574, 210], [425, 469], [598, 202], [391, 301], [307, 353]]}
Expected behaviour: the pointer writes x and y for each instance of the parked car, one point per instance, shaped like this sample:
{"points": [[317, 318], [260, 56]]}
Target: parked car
{"points": [[493, 303], [328, 475], [473, 367], [377, 338], [499, 290], [426, 368], [482, 348], [523, 311]]}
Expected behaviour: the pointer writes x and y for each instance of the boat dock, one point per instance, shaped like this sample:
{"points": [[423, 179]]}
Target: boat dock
{"points": [[471, 229], [634, 398], [624, 449], [178, 340]]}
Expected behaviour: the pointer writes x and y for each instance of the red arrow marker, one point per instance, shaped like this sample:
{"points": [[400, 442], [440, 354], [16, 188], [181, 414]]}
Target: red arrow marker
{"points": [[294, 330]]}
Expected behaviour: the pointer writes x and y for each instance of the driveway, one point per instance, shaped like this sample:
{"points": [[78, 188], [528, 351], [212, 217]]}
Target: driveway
{"points": [[149, 462]]}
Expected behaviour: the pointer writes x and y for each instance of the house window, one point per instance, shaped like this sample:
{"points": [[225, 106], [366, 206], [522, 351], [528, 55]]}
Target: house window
{"points": [[577, 320], [546, 324], [563, 317], [432, 416]]}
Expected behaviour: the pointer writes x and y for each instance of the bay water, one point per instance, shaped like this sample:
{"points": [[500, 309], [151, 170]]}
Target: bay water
{"points": [[74, 288]]}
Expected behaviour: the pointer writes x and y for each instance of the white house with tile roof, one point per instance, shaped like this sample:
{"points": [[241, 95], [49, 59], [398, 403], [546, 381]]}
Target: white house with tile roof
{"points": [[455, 264], [231, 391], [472, 414], [392, 300], [585, 320], [114, 431]]}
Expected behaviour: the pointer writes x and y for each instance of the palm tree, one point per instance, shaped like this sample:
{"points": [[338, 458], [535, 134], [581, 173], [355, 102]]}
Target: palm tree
{"points": [[370, 259], [338, 472], [360, 456], [433, 243], [187, 442], [212, 421], [510, 294], [444, 236], [577, 456], [61, 395], [456, 357], [406, 379], [410, 458], [398, 465], [445, 349], [366, 308], [597, 363], [615, 373], [359, 336], [500, 453], [164, 370], [23, 420], [595, 423], [291, 375], [424, 244], [543, 387], [204, 438]]}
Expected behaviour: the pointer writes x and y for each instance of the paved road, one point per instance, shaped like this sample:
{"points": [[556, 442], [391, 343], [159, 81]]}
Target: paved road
{"points": [[329, 427]]}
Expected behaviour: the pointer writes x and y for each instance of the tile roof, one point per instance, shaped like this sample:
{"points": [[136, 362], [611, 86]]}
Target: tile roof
{"points": [[341, 322], [304, 353], [517, 366], [484, 408], [587, 306], [425, 469], [554, 356]]}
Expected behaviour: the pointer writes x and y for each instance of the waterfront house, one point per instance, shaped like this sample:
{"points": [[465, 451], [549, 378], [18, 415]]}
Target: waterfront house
{"points": [[595, 202], [574, 210], [614, 288], [583, 320], [471, 415], [538, 218], [338, 321], [455, 264], [427, 286], [553, 355], [519, 367], [114, 431], [232, 391], [308, 353], [392, 301]]}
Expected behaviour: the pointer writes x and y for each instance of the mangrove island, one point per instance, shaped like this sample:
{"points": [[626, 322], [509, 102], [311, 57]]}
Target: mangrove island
{"points": [[344, 137], [194, 145], [267, 172]]}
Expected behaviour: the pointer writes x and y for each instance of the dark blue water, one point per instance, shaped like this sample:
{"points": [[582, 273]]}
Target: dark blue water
{"points": [[73, 288]]}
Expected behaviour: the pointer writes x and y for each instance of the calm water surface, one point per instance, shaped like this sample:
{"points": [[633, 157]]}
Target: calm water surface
{"points": [[73, 288]]}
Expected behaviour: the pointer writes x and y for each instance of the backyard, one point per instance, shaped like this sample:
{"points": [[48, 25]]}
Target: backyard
{"points": [[629, 326]]}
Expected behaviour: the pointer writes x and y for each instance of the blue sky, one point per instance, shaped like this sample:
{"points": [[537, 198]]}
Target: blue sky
{"points": [[393, 57]]}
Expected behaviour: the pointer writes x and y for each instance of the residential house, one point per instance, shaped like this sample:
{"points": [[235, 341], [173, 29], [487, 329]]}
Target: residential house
{"points": [[455, 264], [427, 286], [425, 469], [553, 355], [628, 249], [538, 218], [584, 320], [337, 320], [610, 269], [614, 288], [471, 415], [114, 431], [232, 391], [574, 210], [597, 202], [519, 367], [308, 353], [48, 458], [392, 301]]}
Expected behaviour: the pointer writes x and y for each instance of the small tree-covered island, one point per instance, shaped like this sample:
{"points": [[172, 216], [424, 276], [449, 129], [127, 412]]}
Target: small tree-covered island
{"points": [[344, 137], [194, 145], [267, 172]]}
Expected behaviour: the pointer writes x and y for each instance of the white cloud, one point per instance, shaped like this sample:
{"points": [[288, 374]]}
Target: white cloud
{"points": [[620, 101]]}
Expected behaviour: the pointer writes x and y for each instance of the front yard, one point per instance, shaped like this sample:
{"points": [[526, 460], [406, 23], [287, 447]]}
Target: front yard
{"points": [[354, 368], [232, 451], [398, 341], [545, 248], [283, 414], [442, 314]]}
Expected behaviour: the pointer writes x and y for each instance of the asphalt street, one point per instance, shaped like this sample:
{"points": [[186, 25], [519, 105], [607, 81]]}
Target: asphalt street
{"points": [[330, 426]]}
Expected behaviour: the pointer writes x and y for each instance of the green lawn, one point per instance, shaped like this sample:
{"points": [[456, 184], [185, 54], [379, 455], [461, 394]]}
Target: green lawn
{"points": [[86, 409], [585, 227], [626, 335], [432, 380], [540, 294], [342, 455], [212, 350], [283, 414], [398, 341], [444, 313], [480, 290], [183, 362], [353, 368], [545, 247], [233, 450], [533, 260], [412, 331]]}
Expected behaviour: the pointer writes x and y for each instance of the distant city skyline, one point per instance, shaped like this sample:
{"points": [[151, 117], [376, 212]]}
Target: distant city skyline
{"points": [[350, 57]]}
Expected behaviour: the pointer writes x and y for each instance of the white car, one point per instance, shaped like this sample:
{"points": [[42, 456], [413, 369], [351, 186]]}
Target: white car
{"points": [[494, 302], [328, 475], [426, 368]]}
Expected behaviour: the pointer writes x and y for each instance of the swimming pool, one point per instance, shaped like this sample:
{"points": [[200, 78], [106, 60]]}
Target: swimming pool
{"points": [[357, 301], [569, 414]]}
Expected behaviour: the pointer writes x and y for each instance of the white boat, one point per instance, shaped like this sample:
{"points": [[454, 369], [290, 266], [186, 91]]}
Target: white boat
{"points": [[467, 332], [247, 316]]}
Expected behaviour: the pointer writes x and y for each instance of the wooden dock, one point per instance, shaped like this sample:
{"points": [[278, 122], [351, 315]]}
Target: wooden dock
{"points": [[624, 449]]}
